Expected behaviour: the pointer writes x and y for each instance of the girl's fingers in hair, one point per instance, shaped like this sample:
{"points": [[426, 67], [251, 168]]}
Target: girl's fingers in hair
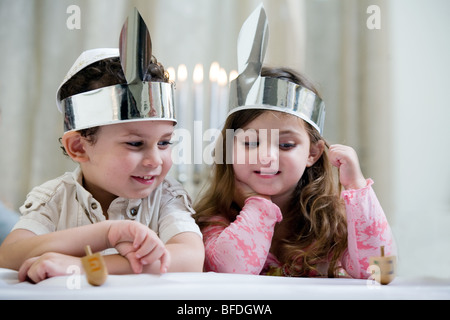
{"points": [[346, 159]]}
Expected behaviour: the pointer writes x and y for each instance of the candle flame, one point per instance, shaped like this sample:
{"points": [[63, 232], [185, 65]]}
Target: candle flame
{"points": [[171, 72], [223, 78], [182, 72], [214, 72], [233, 75], [198, 73]]}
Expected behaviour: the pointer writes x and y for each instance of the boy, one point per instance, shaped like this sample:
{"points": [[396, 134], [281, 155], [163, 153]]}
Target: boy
{"points": [[118, 120]]}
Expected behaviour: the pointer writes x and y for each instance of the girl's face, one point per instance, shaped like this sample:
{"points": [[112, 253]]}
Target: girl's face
{"points": [[128, 159], [272, 152]]}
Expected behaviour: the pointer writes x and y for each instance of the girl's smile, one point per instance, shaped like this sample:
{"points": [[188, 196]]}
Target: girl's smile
{"points": [[267, 174]]}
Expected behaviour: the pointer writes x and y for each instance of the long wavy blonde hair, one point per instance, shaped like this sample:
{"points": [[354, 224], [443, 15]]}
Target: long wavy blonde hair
{"points": [[316, 213]]}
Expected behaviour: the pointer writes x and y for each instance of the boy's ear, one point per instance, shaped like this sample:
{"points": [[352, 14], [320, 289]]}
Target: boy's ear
{"points": [[315, 152], [73, 142]]}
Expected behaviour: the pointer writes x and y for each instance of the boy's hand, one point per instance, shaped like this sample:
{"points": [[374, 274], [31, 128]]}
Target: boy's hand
{"points": [[139, 244], [346, 159], [48, 265]]}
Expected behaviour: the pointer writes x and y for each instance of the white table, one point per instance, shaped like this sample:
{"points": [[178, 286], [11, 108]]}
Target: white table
{"points": [[215, 286]]}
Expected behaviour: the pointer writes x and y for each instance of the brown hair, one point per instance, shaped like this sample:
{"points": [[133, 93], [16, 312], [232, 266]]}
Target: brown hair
{"points": [[316, 212], [104, 73]]}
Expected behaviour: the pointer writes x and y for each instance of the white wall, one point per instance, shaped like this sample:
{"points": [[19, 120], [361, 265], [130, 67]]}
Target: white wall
{"points": [[420, 53]]}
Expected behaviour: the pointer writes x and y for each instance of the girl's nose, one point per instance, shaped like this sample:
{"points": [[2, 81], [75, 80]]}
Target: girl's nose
{"points": [[268, 155]]}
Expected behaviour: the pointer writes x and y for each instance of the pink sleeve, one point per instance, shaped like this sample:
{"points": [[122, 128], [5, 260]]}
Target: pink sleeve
{"points": [[368, 229], [242, 246]]}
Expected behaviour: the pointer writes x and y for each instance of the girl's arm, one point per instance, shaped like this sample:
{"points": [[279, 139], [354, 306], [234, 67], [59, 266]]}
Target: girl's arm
{"points": [[368, 229], [242, 246], [367, 225]]}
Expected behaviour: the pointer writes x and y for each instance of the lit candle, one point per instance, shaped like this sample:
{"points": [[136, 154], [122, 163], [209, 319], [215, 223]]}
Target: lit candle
{"points": [[171, 72], [182, 94], [233, 75], [214, 101], [182, 104], [198, 116], [224, 91], [198, 92]]}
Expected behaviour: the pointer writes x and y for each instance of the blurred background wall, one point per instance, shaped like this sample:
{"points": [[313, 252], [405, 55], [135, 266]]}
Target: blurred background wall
{"points": [[381, 66]]}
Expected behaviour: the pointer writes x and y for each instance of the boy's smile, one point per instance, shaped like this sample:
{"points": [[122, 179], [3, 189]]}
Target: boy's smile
{"points": [[147, 180]]}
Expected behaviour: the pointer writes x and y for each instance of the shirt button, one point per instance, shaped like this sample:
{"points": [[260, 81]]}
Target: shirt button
{"points": [[94, 206], [134, 212], [28, 205]]}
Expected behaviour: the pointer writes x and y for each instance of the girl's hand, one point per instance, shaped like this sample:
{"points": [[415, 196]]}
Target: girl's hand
{"points": [[139, 244], [48, 265], [242, 192], [346, 159]]}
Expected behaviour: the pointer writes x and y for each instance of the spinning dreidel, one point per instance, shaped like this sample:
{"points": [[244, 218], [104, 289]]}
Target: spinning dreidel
{"points": [[95, 268], [383, 268]]}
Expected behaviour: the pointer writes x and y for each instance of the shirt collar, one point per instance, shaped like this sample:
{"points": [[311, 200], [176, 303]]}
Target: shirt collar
{"points": [[92, 207]]}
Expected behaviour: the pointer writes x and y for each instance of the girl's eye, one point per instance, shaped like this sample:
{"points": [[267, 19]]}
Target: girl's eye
{"points": [[251, 144], [287, 146], [135, 144]]}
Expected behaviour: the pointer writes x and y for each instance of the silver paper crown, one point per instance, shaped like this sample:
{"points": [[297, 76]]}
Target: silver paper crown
{"points": [[251, 91], [137, 100]]}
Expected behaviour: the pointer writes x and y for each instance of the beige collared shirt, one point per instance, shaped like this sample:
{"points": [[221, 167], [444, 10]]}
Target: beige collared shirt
{"points": [[63, 203]]}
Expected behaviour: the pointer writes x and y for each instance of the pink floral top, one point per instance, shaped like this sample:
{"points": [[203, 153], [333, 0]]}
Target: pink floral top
{"points": [[243, 245]]}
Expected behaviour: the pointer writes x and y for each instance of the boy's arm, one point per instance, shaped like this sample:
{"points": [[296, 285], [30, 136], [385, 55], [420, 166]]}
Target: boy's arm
{"points": [[186, 249], [136, 242], [186, 254], [22, 244]]}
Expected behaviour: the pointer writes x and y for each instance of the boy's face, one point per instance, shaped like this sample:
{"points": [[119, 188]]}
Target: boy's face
{"points": [[128, 159]]}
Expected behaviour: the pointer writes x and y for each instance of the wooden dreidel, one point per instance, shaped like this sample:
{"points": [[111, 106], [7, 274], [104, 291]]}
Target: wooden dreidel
{"points": [[383, 268], [95, 268]]}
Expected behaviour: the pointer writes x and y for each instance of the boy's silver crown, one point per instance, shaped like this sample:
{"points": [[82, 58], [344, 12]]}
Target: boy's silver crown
{"points": [[137, 100]]}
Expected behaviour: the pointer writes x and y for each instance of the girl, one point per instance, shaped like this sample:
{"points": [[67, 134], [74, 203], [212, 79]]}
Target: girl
{"points": [[282, 214]]}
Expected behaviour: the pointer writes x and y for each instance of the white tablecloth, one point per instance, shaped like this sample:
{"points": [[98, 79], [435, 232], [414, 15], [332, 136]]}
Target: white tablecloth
{"points": [[215, 286]]}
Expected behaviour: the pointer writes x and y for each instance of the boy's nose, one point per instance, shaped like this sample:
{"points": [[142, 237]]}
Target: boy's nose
{"points": [[152, 158]]}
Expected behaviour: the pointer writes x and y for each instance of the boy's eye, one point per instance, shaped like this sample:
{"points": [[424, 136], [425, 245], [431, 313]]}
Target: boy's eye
{"points": [[135, 144], [164, 143]]}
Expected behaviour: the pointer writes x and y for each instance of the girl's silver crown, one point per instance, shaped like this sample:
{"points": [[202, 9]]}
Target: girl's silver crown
{"points": [[251, 91]]}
